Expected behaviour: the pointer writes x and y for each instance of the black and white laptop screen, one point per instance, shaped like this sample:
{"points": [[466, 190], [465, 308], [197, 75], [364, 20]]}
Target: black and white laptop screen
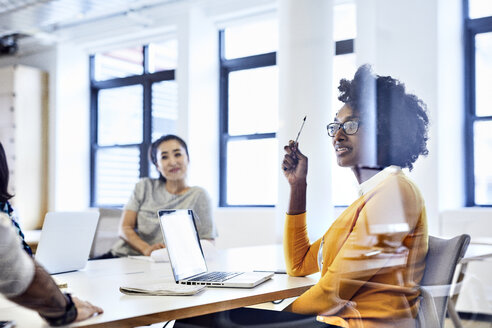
{"points": [[182, 241]]}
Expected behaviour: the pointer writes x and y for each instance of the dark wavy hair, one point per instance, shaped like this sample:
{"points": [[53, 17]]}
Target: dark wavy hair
{"points": [[402, 121], [4, 176], [153, 149]]}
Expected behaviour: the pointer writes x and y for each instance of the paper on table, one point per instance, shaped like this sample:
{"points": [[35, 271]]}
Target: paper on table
{"points": [[158, 255], [161, 289], [141, 257], [63, 285]]}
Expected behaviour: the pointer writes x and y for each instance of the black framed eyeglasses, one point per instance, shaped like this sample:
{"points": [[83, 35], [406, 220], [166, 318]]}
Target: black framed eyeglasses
{"points": [[349, 127]]}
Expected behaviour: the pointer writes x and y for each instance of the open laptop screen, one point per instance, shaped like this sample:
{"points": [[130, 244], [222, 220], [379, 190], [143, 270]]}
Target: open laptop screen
{"points": [[182, 242], [66, 240]]}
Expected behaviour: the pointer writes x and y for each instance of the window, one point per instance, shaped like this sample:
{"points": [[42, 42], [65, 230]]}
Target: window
{"points": [[133, 101], [249, 115], [478, 115], [249, 121]]}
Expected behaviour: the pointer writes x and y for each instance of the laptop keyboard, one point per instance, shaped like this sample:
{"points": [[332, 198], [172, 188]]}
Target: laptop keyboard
{"points": [[216, 276]]}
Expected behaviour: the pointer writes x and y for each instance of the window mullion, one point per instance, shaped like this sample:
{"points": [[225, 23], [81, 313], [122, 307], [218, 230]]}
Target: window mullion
{"points": [[147, 128]]}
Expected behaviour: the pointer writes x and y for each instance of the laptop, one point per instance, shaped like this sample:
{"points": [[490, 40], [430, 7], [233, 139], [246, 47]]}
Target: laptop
{"points": [[66, 240], [187, 259]]}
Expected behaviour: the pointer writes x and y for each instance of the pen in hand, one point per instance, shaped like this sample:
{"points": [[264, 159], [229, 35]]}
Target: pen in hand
{"points": [[298, 134]]}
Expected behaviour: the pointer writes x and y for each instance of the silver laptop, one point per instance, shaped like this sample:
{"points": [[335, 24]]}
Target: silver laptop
{"points": [[187, 259], [66, 240]]}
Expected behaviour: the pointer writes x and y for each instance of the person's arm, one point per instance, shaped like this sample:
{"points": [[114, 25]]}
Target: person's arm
{"points": [[127, 233], [202, 210], [300, 255], [26, 283], [43, 296]]}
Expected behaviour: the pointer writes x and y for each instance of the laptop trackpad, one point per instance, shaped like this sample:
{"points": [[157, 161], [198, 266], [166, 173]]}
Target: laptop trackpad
{"points": [[249, 279]]}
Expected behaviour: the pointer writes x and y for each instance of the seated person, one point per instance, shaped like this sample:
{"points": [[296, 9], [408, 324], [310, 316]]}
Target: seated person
{"points": [[372, 258], [140, 230], [5, 206], [26, 283]]}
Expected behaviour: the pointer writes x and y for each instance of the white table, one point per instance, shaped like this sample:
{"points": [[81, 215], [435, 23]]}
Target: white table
{"points": [[99, 283]]}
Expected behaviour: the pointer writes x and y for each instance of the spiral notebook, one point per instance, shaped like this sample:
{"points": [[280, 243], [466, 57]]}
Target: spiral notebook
{"points": [[160, 288]]}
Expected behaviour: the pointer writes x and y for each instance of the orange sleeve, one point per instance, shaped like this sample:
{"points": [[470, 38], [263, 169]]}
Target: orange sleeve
{"points": [[300, 255], [344, 274]]}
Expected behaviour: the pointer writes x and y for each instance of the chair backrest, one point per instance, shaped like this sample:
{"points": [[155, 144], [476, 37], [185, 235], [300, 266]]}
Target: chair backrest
{"points": [[442, 258], [106, 231]]}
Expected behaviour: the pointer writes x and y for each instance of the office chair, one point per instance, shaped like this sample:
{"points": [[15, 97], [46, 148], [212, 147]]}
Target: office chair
{"points": [[442, 258], [106, 232]]}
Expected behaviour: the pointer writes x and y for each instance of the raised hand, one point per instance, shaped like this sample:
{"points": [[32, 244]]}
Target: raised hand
{"points": [[295, 164]]}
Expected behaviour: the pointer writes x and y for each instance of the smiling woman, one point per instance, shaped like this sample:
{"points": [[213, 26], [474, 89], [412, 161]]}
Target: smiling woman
{"points": [[139, 226], [373, 255]]}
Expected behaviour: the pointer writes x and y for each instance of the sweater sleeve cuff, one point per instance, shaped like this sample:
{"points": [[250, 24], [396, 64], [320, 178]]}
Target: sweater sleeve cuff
{"points": [[296, 220]]}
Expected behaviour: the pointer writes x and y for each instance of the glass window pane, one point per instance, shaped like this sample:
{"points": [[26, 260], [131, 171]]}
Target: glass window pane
{"points": [[344, 67], [120, 116], [345, 23], [251, 39], [483, 74], [252, 172], [118, 63], [116, 174], [164, 108], [253, 101], [483, 154], [480, 8], [163, 56], [344, 187]]}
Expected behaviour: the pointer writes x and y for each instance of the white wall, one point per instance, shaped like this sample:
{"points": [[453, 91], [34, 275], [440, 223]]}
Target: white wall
{"points": [[247, 226], [68, 135], [197, 77], [305, 63], [70, 172]]}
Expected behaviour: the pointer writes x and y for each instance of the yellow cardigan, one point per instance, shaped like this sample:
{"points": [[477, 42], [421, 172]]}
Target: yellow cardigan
{"points": [[378, 287]]}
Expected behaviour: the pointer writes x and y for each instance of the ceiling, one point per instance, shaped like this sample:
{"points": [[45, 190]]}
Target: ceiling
{"points": [[29, 26], [44, 20], [31, 16]]}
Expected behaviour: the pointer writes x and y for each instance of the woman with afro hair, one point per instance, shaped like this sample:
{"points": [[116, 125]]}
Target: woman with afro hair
{"points": [[372, 258]]}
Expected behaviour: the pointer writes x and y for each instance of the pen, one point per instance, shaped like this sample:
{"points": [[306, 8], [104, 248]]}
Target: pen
{"points": [[299, 133], [278, 271]]}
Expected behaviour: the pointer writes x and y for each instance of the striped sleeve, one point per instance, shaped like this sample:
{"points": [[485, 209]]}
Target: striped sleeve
{"points": [[16, 267]]}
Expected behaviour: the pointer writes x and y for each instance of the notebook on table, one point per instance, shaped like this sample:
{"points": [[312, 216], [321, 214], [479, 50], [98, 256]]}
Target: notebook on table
{"points": [[160, 288], [187, 259], [66, 240]]}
